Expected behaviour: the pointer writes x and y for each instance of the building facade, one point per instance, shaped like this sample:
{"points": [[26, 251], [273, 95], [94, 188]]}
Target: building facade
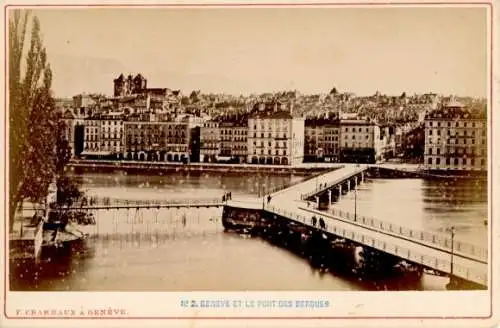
{"points": [[275, 136], [456, 139], [111, 139], [210, 141], [92, 138], [157, 141], [233, 141], [359, 141], [321, 140]]}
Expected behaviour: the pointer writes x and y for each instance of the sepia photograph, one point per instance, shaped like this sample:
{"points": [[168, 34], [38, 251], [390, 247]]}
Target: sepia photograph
{"points": [[248, 160]]}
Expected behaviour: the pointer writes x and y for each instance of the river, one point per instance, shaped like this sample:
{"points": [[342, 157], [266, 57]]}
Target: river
{"points": [[180, 249]]}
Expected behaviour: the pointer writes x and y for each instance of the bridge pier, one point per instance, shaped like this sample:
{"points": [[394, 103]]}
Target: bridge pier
{"points": [[348, 185], [340, 191], [329, 197]]}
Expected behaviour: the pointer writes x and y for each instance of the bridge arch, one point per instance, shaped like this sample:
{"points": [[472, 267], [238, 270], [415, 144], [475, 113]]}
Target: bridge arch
{"points": [[135, 156], [262, 160], [255, 160], [130, 156], [277, 161], [169, 157], [142, 156], [269, 160], [284, 161], [176, 157]]}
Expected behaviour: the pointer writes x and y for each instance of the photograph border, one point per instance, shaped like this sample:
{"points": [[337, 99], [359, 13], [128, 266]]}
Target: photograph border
{"points": [[491, 224]]}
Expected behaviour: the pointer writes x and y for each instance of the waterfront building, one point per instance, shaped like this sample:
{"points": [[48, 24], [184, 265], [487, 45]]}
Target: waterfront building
{"points": [[112, 135], [322, 137], [157, 141], [210, 141], [92, 136], [456, 139], [275, 135], [359, 141], [194, 124], [233, 141]]}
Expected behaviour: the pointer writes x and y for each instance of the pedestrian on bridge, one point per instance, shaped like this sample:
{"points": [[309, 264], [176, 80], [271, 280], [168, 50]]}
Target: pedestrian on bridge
{"points": [[268, 199], [313, 220], [322, 224]]}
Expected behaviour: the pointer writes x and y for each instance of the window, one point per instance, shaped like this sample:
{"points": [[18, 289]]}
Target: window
{"points": [[438, 151], [464, 161], [472, 161], [456, 161], [438, 161], [430, 160], [447, 161], [430, 132]]}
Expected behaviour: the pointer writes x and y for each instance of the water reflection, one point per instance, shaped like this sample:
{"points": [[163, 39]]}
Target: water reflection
{"points": [[175, 250], [430, 205]]}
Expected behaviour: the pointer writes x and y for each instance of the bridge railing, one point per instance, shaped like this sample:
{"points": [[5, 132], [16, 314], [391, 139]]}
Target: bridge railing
{"points": [[107, 201], [428, 261], [325, 185], [436, 239]]}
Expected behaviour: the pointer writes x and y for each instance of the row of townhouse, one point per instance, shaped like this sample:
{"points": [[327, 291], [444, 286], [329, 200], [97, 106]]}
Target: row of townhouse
{"points": [[345, 140], [272, 134], [456, 139], [116, 137]]}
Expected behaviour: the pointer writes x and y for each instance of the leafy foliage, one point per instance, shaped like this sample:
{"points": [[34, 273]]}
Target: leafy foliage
{"points": [[37, 149], [68, 191]]}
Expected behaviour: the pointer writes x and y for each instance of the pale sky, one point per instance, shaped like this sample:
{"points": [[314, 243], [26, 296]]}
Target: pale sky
{"points": [[258, 50]]}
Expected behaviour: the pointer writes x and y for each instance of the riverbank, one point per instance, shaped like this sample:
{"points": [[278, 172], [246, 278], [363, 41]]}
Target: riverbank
{"points": [[383, 170], [137, 167]]}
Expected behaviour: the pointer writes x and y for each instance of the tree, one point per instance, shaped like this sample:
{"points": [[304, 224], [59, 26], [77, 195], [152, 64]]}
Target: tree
{"points": [[34, 124]]}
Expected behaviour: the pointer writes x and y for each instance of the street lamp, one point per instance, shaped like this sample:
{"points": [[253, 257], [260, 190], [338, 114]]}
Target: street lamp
{"points": [[355, 203], [451, 284], [452, 238]]}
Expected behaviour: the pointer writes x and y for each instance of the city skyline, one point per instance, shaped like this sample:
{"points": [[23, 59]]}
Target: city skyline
{"points": [[245, 51]]}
